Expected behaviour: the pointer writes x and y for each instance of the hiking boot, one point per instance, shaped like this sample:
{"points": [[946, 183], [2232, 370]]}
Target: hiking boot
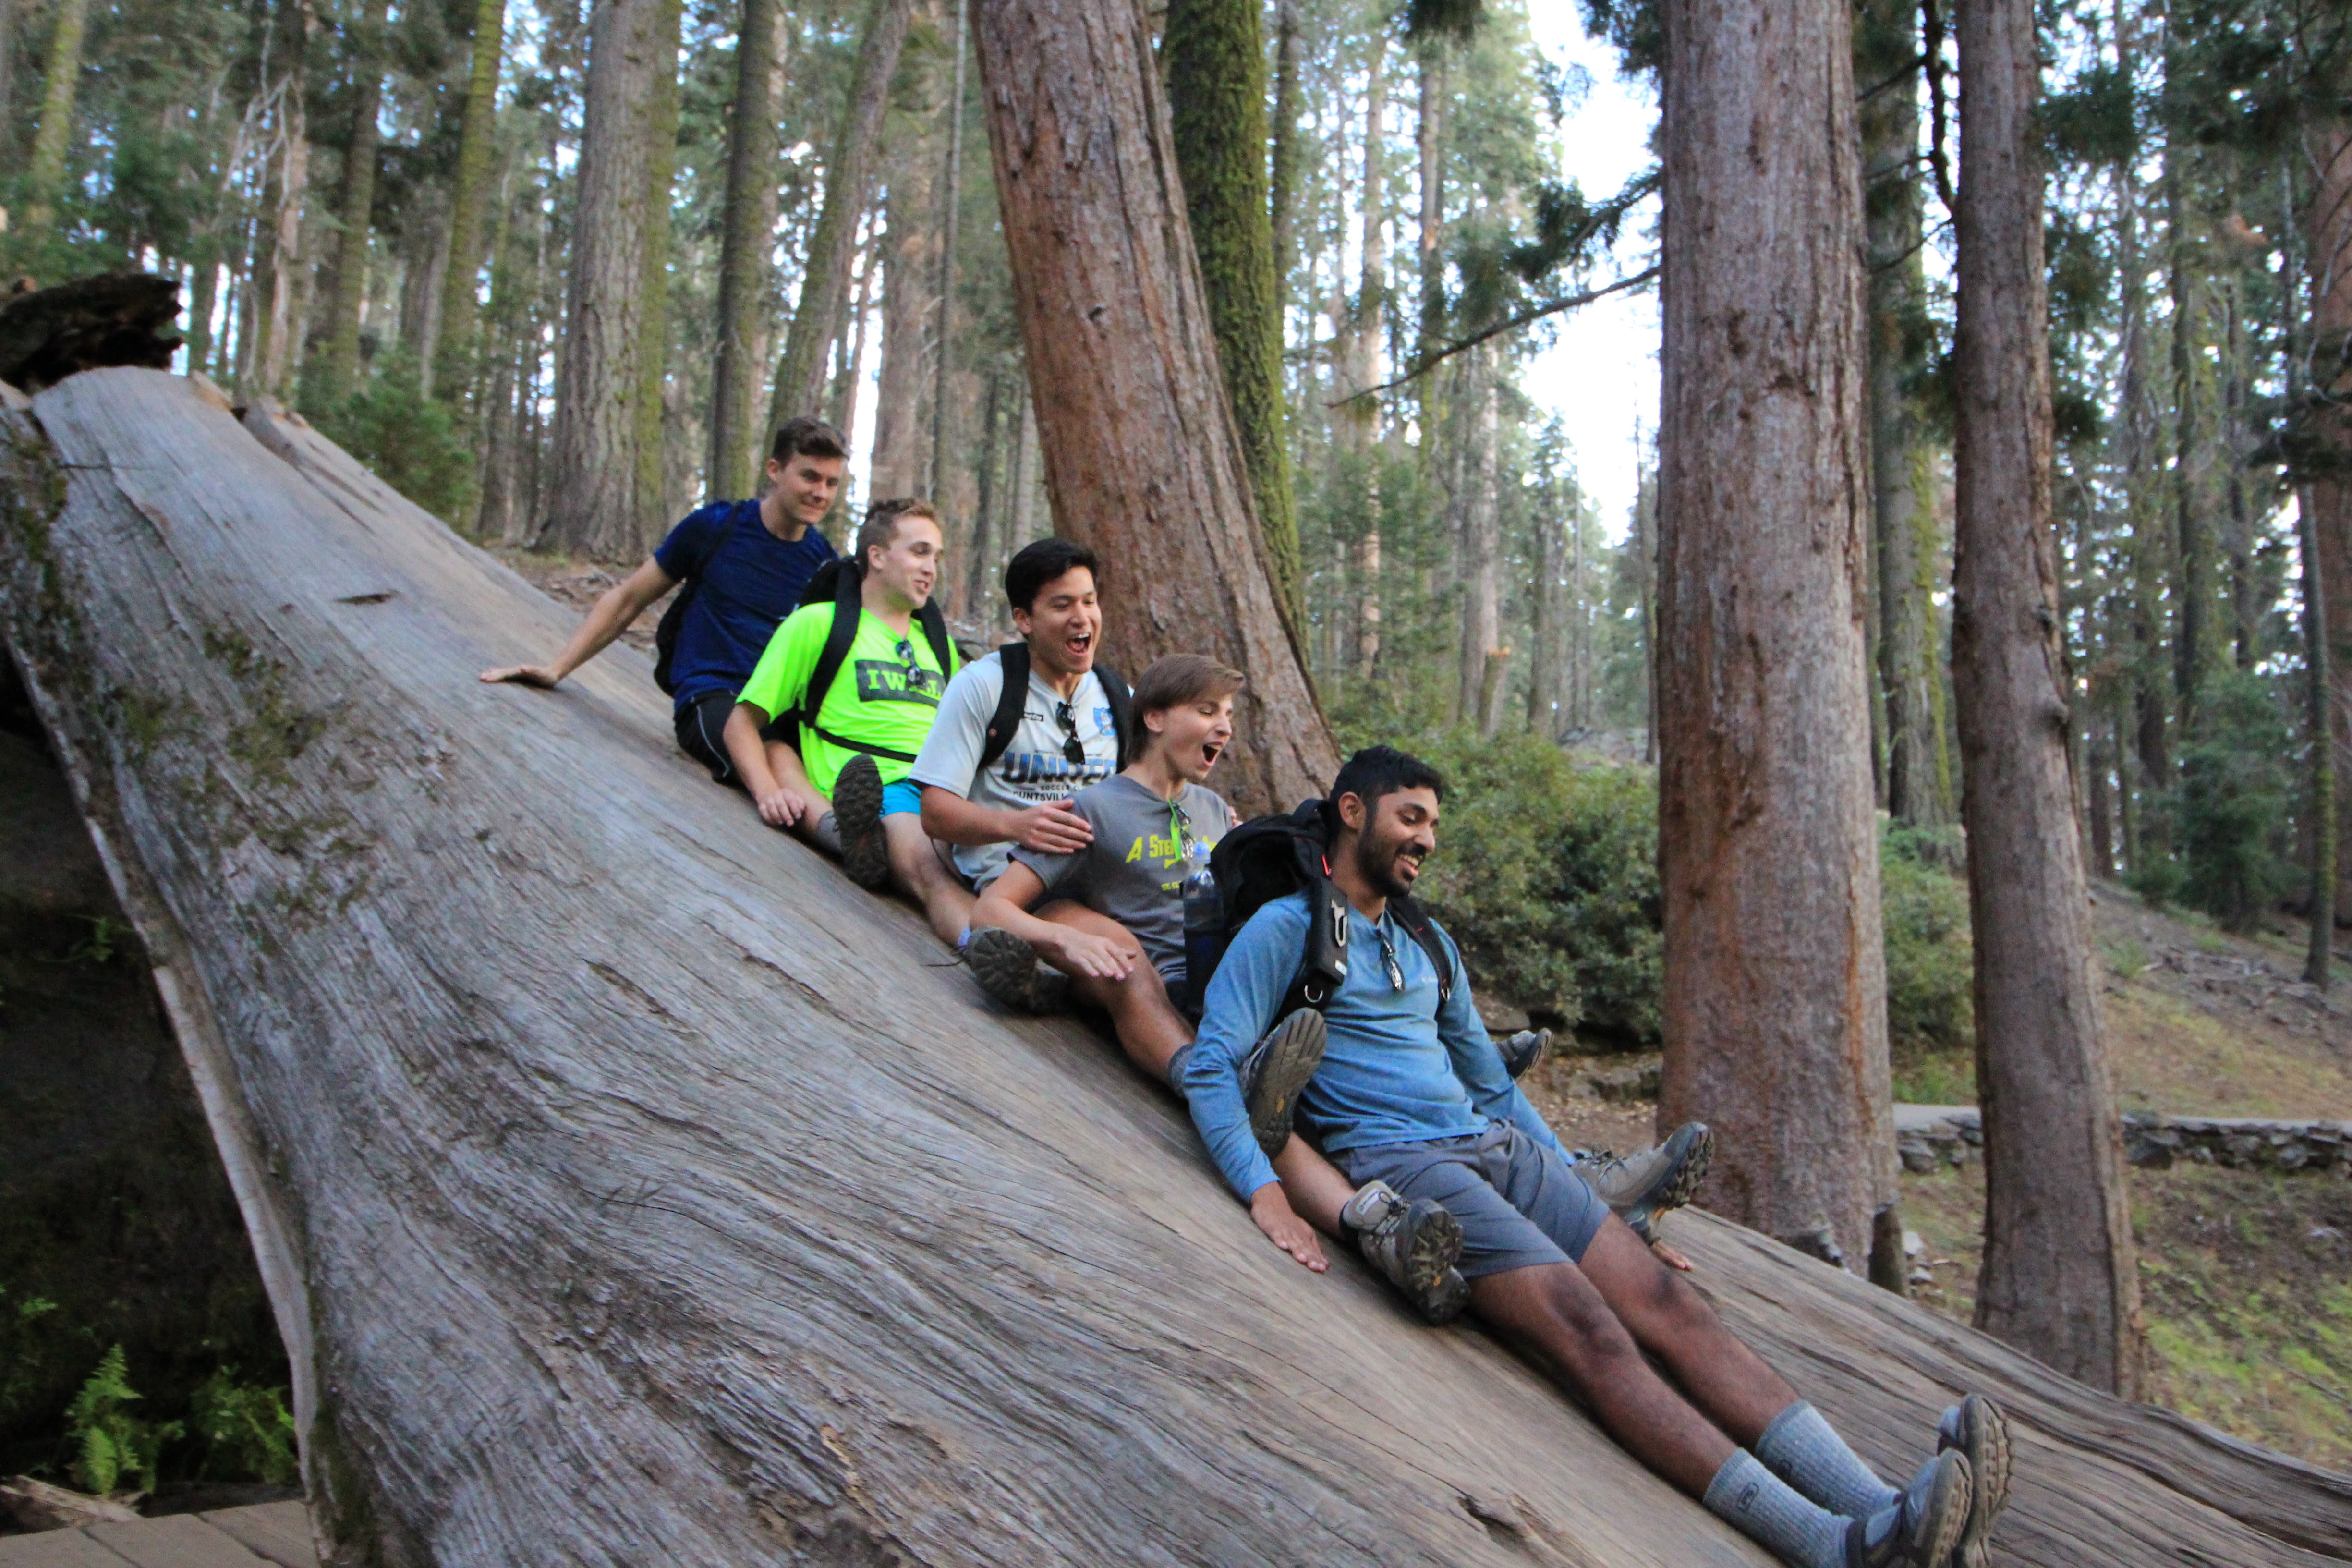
{"points": [[1274, 1073], [1923, 1528], [1525, 1051], [1976, 1429], [857, 813], [1641, 1187], [1415, 1247], [1009, 969]]}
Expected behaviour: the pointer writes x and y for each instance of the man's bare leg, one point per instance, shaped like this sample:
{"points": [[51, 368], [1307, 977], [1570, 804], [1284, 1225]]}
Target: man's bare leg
{"points": [[1317, 1190], [1667, 1317], [916, 868], [1555, 1314]]}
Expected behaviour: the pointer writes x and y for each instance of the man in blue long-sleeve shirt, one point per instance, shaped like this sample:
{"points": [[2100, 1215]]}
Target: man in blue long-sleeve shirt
{"points": [[1412, 1091]]}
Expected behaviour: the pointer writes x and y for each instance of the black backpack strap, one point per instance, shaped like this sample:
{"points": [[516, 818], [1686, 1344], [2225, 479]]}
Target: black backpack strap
{"points": [[1423, 930], [1122, 706], [848, 604], [1323, 956], [1010, 704], [935, 626]]}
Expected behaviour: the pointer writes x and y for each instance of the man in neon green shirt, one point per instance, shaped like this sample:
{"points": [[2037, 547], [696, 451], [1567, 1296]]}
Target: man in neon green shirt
{"points": [[837, 776]]}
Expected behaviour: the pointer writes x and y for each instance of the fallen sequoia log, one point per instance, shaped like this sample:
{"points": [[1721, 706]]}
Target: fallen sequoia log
{"points": [[632, 1188]]}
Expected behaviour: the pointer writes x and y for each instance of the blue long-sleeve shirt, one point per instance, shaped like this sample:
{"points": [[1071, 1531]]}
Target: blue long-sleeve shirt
{"points": [[1397, 1066]]}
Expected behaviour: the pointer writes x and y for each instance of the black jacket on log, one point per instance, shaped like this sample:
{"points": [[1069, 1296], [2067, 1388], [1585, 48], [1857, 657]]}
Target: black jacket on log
{"points": [[632, 1188]]}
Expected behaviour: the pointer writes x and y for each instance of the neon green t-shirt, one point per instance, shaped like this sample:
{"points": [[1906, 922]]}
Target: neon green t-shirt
{"points": [[886, 694]]}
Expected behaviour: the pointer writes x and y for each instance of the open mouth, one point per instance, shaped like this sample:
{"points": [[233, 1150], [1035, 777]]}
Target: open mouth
{"points": [[1408, 868], [1210, 751], [1078, 643]]}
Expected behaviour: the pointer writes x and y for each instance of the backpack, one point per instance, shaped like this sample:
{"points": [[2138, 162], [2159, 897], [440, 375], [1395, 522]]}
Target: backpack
{"points": [[1014, 700], [840, 583], [1268, 858], [673, 618]]}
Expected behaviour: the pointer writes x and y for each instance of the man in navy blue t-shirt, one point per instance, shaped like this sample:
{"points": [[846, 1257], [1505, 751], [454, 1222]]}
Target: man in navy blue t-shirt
{"points": [[745, 564]]}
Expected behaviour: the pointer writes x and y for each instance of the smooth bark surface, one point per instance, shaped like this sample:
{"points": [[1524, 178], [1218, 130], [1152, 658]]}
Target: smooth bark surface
{"points": [[1774, 1013], [593, 506], [746, 275], [1214, 59], [1142, 457], [849, 170], [2058, 1280], [633, 1189]]}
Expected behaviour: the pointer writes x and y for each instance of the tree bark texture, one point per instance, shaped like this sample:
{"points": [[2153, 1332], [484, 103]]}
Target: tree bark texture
{"points": [[824, 283], [1910, 677], [330, 375], [452, 371], [2059, 1278], [631, 1188], [1140, 453], [2326, 243], [594, 507], [745, 277], [951, 222], [1774, 1014], [1215, 63], [910, 250], [45, 170], [659, 501]]}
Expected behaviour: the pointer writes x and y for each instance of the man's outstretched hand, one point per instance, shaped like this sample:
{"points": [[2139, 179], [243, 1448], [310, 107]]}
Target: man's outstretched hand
{"points": [[544, 677], [1285, 1229]]}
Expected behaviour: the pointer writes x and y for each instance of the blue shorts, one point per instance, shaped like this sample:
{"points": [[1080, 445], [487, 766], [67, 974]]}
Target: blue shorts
{"points": [[904, 795], [1519, 1205]]}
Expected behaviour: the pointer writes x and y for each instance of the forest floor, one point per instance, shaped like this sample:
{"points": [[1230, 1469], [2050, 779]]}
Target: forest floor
{"points": [[2245, 1275]]}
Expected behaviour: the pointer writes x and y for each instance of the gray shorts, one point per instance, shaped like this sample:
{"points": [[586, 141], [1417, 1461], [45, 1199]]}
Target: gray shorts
{"points": [[1519, 1205]]}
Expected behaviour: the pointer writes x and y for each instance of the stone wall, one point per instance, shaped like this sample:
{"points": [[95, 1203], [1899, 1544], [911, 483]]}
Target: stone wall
{"points": [[1931, 1135]]}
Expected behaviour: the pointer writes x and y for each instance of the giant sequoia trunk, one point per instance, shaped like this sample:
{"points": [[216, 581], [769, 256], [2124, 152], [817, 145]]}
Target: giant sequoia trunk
{"points": [[1141, 457], [631, 1188], [2058, 1276], [452, 371], [2326, 225], [1775, 990], [746, 275]]}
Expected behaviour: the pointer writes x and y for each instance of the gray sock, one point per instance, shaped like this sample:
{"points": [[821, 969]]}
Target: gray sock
{"points": [[1805, 1451], [1768, 1511], [1176, 1064], [826, 835]]}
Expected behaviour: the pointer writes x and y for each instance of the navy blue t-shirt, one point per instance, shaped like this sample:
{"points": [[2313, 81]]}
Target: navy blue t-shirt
{"points": [[749, 583]]}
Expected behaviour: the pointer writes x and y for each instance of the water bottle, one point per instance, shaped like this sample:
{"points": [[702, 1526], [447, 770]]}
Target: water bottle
{"points": [[1204, 935]]}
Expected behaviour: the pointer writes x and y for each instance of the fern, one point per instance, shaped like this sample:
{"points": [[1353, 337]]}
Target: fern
{"points": [[114, 1445]]}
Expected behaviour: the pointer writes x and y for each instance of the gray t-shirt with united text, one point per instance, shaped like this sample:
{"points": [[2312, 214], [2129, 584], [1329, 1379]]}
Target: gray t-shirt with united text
{"points": [[1134, 871], [1032, 771]]}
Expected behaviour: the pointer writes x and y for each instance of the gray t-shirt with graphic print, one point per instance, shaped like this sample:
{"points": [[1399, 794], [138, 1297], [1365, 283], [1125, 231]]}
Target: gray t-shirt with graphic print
{"points": [[1032, 771], [1134, 871]]}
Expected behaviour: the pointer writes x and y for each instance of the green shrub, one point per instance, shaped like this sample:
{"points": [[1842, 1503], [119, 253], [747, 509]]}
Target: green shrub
{"points": [[1924, 909], [24, 1349], [110, 1445], [407, 439], [2233, 803], [246, 1430]]}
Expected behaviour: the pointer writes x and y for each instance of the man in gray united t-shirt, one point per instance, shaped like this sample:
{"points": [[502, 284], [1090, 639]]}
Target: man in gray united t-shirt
{"points": [[985, 792]]}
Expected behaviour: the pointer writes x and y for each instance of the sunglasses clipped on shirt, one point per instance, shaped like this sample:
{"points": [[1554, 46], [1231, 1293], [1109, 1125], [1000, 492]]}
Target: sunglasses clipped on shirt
{"points": [[1073, 750]]}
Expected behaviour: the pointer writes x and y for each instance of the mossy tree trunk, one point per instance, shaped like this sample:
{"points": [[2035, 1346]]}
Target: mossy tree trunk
{"points": [[848, 174], [1918, 788], [451, 377], [328, 376], [1214, 55], [746, 278]]}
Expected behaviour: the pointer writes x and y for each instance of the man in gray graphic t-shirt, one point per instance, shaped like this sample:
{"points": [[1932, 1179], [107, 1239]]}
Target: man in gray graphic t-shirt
{"points": [[1065, 736]]}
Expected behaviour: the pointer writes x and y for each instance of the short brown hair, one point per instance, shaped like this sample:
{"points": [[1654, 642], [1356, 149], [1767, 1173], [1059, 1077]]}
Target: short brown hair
{"points": [[1176, 679], [880, 529], [807, 436]]}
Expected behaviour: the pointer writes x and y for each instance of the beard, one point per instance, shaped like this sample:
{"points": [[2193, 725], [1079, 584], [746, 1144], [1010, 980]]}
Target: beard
{"points": [[1376, 862]]}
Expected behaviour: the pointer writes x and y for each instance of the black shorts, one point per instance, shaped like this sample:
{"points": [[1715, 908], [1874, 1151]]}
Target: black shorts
{"points": [[702, 734]]}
